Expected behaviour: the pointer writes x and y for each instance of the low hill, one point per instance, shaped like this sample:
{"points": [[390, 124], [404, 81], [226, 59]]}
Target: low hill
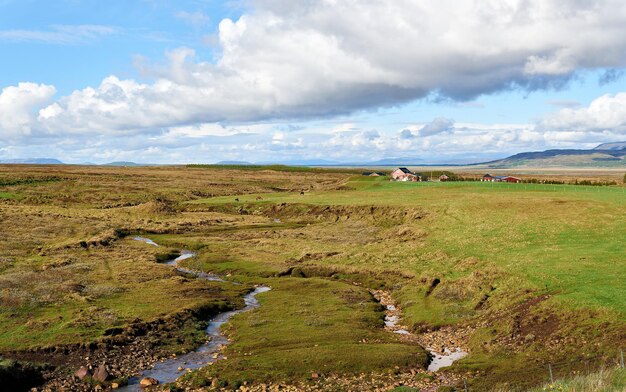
{"points": [[121, 163], [604, 155]]}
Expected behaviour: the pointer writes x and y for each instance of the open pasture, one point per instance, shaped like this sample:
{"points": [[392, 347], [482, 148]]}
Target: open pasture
{"points": [[520, 275]]}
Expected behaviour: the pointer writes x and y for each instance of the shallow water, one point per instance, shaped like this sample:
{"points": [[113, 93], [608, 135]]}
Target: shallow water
{"points": [[448, 358], [146, 240], [168, 370], [438, 361], [186, 254]]}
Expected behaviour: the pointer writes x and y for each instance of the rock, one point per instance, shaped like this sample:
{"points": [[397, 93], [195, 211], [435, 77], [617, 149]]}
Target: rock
{"points": [[101, 373], [315, 375], [215, 383], [82, 373], [114, 385], [148, 382]]}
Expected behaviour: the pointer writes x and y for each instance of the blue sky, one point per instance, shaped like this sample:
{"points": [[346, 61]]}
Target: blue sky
{"points": [[145, 28], [276, 80]]}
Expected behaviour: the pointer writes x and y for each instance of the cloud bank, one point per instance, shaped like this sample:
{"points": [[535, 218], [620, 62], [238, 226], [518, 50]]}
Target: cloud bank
{"points": [[296, 61], [607, 112], [321, 58]]}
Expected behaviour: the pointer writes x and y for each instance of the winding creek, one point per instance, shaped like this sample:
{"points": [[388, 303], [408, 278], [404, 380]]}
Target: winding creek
{"points": [[171, 369], [438, 360]]}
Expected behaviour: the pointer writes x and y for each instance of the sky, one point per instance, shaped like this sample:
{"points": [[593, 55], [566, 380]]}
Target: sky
{"points": [[204, 81]]}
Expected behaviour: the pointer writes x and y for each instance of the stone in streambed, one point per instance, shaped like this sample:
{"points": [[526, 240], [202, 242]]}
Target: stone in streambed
{"points": [[148, 382], [82, 373], [101, 373]]}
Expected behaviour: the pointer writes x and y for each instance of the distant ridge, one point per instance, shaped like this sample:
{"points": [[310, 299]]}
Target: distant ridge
{"points": [[31, 161], [121, 163], [604, 155], [611, 146], [303, 162]]}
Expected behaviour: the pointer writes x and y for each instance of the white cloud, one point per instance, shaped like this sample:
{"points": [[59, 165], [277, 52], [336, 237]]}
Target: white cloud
{"points": [[557, 64], [436, 126], [203, 130], [18, 107], [58, 34], [294, 61], [197, 19], [283, 60], [606, 113]]}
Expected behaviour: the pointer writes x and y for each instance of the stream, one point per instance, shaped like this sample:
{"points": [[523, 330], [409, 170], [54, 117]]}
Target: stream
{"points": [[438, 360], [171, 369]]}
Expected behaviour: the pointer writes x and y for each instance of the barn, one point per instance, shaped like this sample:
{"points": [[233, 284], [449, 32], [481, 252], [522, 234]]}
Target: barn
{"points": [[511, 179]]}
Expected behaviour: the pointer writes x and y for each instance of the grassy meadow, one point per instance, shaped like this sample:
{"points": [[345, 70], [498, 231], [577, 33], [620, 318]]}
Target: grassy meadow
{"points": [[534, 272]]}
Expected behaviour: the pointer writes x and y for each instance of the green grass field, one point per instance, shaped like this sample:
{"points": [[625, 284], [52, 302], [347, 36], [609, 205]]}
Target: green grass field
{"points": [[512, 242], [535, 272]]}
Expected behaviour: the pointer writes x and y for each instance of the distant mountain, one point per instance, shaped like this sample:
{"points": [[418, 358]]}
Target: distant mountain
{"points": [[396, 162], [303, 162], [611, 146], [121, 163], [604, 155], [32, 161]]}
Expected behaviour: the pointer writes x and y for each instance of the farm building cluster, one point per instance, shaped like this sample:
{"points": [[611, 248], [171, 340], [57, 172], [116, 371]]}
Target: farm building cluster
{"points": [[490, 178], [404, 174]]}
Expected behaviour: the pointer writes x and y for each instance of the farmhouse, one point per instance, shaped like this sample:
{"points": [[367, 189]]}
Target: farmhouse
{"points": [[490, 178], [404, 174]]}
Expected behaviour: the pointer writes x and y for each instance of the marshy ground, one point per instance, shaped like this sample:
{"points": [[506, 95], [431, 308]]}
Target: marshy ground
{"points": [[519, 275]]}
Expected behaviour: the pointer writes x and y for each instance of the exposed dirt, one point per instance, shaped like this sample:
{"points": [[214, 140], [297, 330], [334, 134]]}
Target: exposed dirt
{"points": [[123, 351], [380, 215]]}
